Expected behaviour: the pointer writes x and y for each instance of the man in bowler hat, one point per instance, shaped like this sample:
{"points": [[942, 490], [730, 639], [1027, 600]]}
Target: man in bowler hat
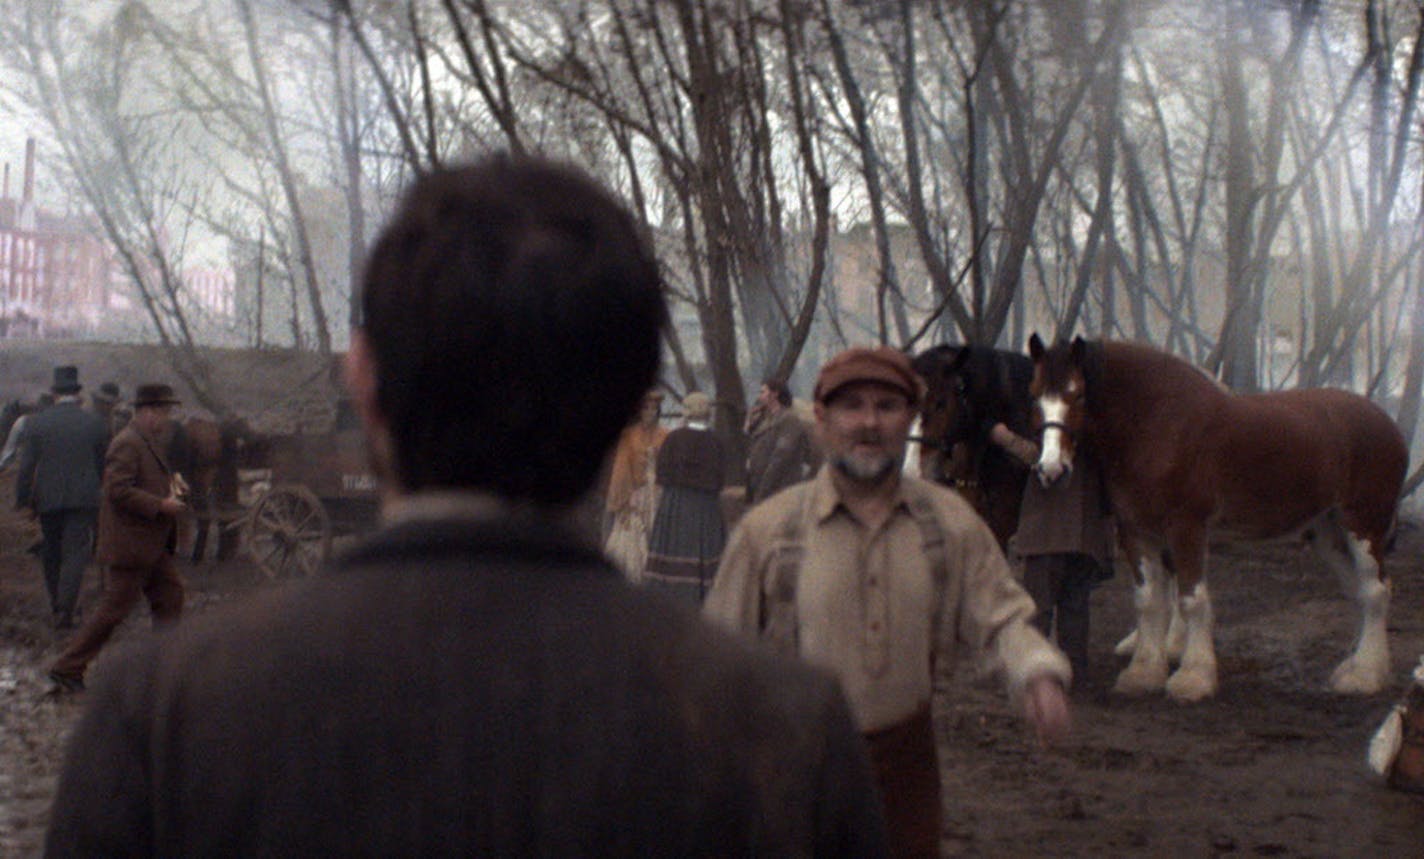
{"points": [[137, 532], [61, 458]]}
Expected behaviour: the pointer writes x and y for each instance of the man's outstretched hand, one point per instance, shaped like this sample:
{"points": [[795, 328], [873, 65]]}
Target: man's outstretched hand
{"points": [[1046, 708]]}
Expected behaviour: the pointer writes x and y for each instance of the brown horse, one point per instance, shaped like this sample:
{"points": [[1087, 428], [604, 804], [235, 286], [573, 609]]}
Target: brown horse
{"points": [[208, 453], [968, 389], [1186, 461]]}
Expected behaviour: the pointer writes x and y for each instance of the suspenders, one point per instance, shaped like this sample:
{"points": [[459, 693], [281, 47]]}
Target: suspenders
{"points": [[778, 606]]}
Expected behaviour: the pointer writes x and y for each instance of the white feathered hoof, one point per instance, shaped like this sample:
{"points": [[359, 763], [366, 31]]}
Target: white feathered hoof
{"points": [[1192, 683], [1140, 679], [1127, 646], [1355, 677]]}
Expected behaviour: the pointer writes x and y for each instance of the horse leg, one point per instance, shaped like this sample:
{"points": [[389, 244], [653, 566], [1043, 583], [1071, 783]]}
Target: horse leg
{"points": [[1176, 630], [1195, 678], [1147, 672], [1366, 670], [203, 510]]}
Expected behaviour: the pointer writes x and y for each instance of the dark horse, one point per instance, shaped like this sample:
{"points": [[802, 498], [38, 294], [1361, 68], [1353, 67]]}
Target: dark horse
{"points": [[1186, 462], [968, 390], [208, 454]]}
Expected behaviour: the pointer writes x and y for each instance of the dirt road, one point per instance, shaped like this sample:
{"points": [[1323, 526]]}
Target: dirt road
{"points": [[1274, 766]]}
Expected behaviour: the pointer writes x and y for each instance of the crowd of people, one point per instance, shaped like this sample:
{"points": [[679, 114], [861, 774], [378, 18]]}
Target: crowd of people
{"points": [[98, 480], [479, 676]]}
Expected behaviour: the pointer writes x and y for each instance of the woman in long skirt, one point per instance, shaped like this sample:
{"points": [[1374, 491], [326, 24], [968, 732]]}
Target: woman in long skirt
{"points": [[632, 497], [686, 540]]}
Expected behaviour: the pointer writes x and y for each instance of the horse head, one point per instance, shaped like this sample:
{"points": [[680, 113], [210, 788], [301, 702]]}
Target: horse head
{"points": [[1059, 390], [946, 415]]}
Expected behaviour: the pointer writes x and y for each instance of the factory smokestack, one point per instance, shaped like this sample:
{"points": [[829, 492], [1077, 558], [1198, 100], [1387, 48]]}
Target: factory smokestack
{"points": [[29, 194]]}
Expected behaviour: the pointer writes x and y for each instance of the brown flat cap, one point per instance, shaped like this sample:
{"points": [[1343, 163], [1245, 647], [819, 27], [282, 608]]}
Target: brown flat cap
{"points": [[881, 364]]}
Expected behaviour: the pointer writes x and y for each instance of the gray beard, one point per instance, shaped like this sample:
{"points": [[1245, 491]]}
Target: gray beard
{"points": [[863, 471]]}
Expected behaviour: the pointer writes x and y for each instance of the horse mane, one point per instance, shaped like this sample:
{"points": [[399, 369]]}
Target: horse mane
{"points": [[1011, 376], [1093, 373]]}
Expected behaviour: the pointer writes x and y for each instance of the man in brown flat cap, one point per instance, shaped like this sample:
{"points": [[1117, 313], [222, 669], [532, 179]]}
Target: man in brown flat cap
{"points": [[879, 576]]}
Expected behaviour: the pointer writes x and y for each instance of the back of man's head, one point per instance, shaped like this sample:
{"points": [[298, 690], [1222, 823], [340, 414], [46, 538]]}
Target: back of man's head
{"points": [[514, 316]]}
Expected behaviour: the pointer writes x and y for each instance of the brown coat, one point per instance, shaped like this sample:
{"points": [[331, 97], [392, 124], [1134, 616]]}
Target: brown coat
{"points": [[1067, 517], [781, 453], [132, 531]]}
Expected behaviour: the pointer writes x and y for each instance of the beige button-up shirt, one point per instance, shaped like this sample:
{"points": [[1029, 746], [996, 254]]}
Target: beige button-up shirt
{"points": [[865, 599]]}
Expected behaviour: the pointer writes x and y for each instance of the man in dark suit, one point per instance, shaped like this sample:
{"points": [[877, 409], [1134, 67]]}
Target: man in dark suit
{"points": [[475, 679], [61, 458], [137, 524]]}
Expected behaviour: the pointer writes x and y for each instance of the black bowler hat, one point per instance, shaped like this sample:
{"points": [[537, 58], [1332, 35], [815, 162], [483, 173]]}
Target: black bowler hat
{"points": [[154, 395], [66, 380]]}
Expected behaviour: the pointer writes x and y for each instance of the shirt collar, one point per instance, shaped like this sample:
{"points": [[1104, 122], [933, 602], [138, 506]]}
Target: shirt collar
{"points": [[826, 499], [478, 507]]}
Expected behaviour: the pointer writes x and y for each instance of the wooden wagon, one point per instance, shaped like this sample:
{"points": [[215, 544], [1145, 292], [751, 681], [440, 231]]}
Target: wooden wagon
{"points": [[288, 496]]}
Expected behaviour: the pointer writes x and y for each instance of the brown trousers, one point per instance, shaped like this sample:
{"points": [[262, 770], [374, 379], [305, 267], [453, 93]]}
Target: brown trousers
{"points": [[160, 583], [906, 767]]}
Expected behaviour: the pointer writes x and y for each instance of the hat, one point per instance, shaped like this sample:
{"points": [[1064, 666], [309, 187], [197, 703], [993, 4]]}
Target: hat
{"points": [[881, 364], [107, 393], [66, 380], [154, 395], [697, 405]]}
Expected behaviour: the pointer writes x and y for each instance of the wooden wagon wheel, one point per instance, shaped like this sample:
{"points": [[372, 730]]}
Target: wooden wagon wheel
{"points": [[288, 532]]}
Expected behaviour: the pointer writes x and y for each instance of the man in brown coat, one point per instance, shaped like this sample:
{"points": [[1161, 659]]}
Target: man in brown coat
{"points": [[137, 522], [781, 451]]}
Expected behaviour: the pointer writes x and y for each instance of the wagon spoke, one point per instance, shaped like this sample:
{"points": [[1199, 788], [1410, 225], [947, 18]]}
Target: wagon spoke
{"points": [[274, 547], [301, 526]]}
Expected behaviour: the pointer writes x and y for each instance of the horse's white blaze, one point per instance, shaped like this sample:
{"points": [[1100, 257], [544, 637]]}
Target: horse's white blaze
{"points": [[1196, 678], [1053, 458], [913, 452]]}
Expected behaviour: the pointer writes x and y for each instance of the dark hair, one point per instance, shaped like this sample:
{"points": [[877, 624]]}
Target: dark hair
{"points": [[515, 317], [779, 390]]}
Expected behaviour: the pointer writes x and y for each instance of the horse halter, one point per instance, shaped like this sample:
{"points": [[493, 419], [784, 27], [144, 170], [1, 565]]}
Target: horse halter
{"points": [[1058, 425]]}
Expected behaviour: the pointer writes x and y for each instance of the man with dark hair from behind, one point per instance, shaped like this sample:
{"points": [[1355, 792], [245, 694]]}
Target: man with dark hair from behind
{"points": [[475, 679]]}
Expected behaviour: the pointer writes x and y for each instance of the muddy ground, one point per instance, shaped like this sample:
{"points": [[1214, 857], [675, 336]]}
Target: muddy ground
{"points": [[1274, 766]]}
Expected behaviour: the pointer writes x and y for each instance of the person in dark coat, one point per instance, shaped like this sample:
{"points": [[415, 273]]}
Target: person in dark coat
{"points": [[685, 543], [137, 532], [1063, 544], [61, 458], [781, 451], [475, 679]]}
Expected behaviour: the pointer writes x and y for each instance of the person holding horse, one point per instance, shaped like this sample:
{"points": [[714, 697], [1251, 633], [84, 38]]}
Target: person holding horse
{"points": [[879, 576], [1063, 542], [476, 679]]}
